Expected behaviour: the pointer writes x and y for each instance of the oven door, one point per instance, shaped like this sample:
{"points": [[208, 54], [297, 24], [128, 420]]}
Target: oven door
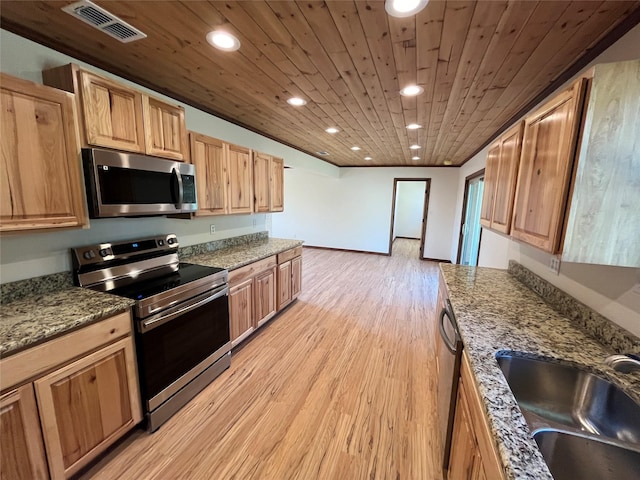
{"points": [[178, 344]]}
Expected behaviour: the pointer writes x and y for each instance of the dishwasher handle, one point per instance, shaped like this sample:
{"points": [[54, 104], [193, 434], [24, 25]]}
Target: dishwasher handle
{"points": [[448, 311]]}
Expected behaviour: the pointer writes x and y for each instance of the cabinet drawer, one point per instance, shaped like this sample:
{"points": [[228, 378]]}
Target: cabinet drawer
{"points": [[240, 274], [289, 254], [25, 365]]}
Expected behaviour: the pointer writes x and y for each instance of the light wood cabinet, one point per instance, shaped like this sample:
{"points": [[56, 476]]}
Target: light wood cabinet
{"points": [[86, 385], [268, 183], [241, 319], [165, 130], [289, 276], [500, 180], [21, 447], [474, 455], [224, 176], [120, 117], [252, 297], [41, 185], [603, 223], [240, 179], [544, 176]]}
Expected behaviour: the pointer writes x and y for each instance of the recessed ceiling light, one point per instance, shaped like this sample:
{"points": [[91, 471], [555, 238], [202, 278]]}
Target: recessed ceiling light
{"points": [[404, 8], [413, 126], [297, 101], [415, 158], [411, 90], [447, 162], [223, 41], [415, 147], [368, 158], [323, 153], [332, 130], [355, 149]]}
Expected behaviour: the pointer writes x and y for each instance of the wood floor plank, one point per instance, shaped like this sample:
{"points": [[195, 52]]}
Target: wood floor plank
{"points": [[341, 385]]}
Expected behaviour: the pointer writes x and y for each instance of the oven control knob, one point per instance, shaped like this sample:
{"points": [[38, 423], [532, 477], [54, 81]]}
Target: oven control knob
{"points": [[104, 252], [161, 243], [170, 241], [88, 255]]}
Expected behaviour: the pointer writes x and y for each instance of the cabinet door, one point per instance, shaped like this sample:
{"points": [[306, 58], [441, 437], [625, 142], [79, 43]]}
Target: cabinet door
{"points": [[241, 322], [85, 406], [296, 277], [284, 284], [21, 447], [544, 175], [165, 131], [463, 443], [505, 183], [208, 156], [276, 203], [490, 180], [261, 182], [240, 179], [41, 186], [112, 114], [265, 298]]}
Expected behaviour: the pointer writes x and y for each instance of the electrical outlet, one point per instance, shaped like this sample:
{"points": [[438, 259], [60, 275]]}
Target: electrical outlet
{"points": [[255, 222], [554, 265], [212, 229]]}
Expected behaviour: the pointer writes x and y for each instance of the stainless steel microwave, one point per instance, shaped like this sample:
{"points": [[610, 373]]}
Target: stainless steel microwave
{"points": [[130, 185]]}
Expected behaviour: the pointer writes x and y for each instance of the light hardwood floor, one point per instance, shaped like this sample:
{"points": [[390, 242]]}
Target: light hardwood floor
{"points": [[341, 385]]}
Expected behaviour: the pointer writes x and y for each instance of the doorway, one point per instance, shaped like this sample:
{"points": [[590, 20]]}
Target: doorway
{"points": [[409, 208], [470, 230]]}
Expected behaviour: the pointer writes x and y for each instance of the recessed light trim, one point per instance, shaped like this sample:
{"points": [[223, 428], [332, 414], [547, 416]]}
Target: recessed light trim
{"points": [[332, 130], [411, 90], [447, 162], [323, 153], [415, 158], [355, 149], [413, 126], [404, 8], [368, 158], [415, 147], [223, 41], [297, 101]]}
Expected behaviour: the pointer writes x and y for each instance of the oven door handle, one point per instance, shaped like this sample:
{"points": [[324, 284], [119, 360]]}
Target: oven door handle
{"points": [[448, 311], [154, 322]]}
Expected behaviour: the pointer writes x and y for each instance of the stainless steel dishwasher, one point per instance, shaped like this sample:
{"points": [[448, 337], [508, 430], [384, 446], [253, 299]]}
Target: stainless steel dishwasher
{"points": [[449, 358]]}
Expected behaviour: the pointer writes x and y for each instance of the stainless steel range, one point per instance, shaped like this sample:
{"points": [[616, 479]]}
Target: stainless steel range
{"points": [[181, 316]]}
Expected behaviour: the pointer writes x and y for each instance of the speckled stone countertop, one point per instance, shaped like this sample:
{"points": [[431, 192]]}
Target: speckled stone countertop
{"points": [[241, 255], [35, 318], [496, 313]]}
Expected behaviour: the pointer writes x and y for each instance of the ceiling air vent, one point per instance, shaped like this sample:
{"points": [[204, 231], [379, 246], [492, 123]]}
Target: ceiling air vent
{"points": [[99, 18]]}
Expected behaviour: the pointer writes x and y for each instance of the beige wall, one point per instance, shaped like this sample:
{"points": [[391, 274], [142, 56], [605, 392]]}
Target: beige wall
{"points": [[608, 290]]}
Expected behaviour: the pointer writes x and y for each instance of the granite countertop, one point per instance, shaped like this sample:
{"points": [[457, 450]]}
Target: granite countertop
{"points": [[496, 312], [39, 317], [240, 255]]}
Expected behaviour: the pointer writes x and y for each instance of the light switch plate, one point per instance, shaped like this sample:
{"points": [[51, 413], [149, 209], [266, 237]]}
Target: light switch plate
{"points": [[212, 229]]}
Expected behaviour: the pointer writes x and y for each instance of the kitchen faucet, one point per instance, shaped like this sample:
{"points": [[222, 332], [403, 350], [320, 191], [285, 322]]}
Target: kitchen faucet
{"points": [[624, 363]]}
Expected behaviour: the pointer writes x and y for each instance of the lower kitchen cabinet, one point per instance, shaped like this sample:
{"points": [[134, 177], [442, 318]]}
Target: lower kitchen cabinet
{"points": [[86, 385], [21, 447], [289, 276], [473, 452], [252, 297]]}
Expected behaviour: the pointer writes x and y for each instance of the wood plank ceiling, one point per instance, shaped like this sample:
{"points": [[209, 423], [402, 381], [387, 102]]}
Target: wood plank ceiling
{"points": [[480, 63]]}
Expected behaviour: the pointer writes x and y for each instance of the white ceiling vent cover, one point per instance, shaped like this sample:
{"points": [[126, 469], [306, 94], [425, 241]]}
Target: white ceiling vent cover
{"points": [[99, 18]]}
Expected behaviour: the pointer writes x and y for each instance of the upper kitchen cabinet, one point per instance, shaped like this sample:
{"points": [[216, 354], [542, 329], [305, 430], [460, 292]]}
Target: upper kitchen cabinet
{"points": [[120, 117], [500, 180], [544, 176], [268, 183], [604, 220], [224, 176], [41, 182]]}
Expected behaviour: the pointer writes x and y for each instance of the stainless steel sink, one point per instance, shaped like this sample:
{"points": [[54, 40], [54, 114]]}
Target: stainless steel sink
{"points": [[572, 397], [585, 426], [574, 457]]}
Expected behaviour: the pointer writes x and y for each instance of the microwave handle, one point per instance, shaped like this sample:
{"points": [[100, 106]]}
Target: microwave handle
{"points": [[180, 188]]}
